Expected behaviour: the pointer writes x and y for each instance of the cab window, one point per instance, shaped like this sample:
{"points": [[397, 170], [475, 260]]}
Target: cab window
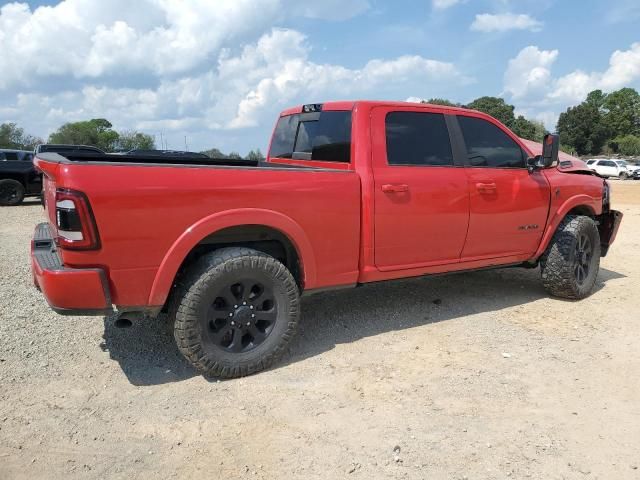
{"points": [[418, 139], [488, 146]]}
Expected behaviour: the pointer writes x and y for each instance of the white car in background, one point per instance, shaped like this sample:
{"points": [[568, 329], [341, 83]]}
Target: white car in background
{"points": [[633, 171], [613, 168]]}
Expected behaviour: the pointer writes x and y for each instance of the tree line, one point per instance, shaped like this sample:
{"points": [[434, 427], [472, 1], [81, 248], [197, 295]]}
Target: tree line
{"points": [[254, 155], [604, 123], [501, 110], [97, 132]]}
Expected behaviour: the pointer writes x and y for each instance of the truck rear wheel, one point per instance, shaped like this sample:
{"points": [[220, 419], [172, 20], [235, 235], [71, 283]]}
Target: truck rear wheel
{"points": [[11, 192], [570, 265], [237, 312]]}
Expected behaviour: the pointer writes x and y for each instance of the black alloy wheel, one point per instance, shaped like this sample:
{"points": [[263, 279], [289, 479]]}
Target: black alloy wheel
{"points": [[583, 255], [242, 316]]}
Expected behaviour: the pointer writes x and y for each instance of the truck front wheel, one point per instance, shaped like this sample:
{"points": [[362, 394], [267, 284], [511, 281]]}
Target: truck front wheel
{"points": [[238, 311], [570, 265]]}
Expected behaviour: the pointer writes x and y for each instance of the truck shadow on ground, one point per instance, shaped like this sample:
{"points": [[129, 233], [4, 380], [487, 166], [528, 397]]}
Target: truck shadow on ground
{"points": [[148, 355]]}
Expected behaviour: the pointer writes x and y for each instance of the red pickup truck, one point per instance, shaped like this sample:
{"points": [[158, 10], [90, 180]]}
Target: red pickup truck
{"points": [[351, 192]]}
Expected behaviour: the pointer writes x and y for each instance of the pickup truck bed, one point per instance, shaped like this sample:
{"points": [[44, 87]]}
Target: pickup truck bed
{"points": [[168, 209], [117, 158]]}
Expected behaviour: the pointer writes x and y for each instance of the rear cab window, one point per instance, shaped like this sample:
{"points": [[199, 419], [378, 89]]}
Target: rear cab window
{"points": [[417, 139], [318, 136]]}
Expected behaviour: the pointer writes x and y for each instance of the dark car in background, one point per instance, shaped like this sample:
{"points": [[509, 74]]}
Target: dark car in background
{"points": [[18, 177]]}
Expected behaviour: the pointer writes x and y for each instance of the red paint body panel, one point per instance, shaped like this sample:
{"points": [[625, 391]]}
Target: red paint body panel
{"points": [[345, 228], [71, 289], [424, 225], [497, 215]]}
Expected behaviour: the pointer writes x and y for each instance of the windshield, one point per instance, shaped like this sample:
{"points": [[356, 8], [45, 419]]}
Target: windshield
{"points": [[621, 163]]}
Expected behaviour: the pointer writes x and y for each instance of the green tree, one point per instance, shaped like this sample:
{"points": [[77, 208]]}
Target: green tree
{"points": [[496, 107], [596, 99], [235, 156], [130, 140], [97, 132], [622, 112], [582, 128], [214, 153], [627, 145], [12, 136], [255, 155], [441, 101], [529, 129]]}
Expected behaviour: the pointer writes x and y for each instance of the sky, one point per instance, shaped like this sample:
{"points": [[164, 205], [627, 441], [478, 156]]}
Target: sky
{"points": [[218, 72]]}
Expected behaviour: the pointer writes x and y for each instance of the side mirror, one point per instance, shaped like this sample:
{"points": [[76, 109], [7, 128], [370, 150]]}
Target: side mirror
{"points": [[535, 163], [551, 147]]}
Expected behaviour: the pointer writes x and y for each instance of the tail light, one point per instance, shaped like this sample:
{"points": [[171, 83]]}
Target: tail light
{"points": [[75, 222]]}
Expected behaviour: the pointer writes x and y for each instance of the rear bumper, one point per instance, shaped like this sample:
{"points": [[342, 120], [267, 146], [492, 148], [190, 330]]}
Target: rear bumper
{"points": [[68, 291], [609, 225]]}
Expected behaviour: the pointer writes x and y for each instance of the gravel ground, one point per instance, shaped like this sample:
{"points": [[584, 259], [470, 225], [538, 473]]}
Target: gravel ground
{"points": [[477, 375]]}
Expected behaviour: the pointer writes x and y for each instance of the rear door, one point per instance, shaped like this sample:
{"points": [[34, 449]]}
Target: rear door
{"points": [[421, 198], [508, 204]]}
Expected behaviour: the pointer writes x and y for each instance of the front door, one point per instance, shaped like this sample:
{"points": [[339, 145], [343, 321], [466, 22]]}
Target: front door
{"points": [[421, 199], [509, 205]]}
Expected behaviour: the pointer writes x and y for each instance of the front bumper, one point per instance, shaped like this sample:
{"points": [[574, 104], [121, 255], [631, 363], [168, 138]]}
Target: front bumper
{"points": [[68, 291], [609, 225]]}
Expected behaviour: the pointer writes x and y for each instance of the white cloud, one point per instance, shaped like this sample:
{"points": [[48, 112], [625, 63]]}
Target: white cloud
{"points": [[240, 89], [298, 77], [444, 4], [200, 68], [529, 82], [529, 72], [88, 39], [486, 22], [624, 68], [528, 76]]}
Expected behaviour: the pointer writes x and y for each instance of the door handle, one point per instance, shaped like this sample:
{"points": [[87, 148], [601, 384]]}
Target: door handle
{"points": [[395, 188], [486, 187]]}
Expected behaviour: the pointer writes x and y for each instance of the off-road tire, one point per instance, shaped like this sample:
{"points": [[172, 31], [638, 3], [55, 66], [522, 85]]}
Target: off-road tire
{"points": [[11, 193], [561, 263], [198, 294], [623, 176]]}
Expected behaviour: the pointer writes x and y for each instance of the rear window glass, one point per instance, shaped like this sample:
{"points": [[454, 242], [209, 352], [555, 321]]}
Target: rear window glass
{"points": [[10, 156], [317, 136], [417, 138]]}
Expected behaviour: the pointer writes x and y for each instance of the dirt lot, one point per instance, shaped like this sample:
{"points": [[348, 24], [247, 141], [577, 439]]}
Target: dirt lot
{"points": [[473, 376]]}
